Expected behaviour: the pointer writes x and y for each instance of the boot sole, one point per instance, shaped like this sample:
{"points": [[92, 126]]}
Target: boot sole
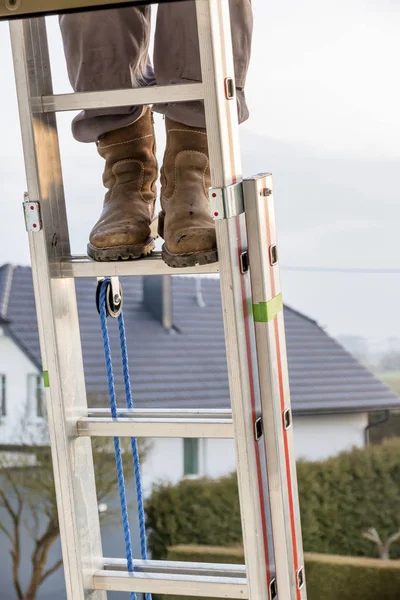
{"points": [[179, 261], [115, 253], [189, 260]]}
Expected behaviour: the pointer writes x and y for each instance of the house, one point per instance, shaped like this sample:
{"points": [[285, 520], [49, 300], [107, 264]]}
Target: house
{"points": [[177, 359]]}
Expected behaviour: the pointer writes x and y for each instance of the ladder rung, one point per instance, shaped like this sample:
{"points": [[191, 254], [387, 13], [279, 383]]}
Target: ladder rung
{"points": [[151, 413], [178, 584], [38, 8], [82, 266], [177, 567], [115, 98], [157, 424]]}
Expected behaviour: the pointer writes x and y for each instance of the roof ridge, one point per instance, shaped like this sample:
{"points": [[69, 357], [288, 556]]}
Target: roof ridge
{"points": [[7, 290]]}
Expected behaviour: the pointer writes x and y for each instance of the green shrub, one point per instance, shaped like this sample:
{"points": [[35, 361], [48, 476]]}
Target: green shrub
{"points": [[328, 577], [201, 511], [340, 498], [351, 578]]}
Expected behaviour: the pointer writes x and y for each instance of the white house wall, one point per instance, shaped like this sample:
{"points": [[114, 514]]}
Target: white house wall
{"points": [[16, 427], [318, 437], [164, 462], [220, 457]]}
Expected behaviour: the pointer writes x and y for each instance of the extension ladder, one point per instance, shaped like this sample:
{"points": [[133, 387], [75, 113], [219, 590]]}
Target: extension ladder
{"points": [[261, 419]]}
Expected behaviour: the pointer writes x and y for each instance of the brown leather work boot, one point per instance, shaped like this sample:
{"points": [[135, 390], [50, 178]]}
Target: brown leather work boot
{"points": [[185, 221], [123, 230]]}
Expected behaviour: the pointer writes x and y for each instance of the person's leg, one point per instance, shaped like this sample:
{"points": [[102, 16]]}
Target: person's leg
{"points": [[109, 50], [185, 221], [177, 56]]}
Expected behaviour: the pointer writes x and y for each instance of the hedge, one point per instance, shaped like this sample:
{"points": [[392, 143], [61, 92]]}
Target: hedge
{"points": [[201, 511], [351, 578], [232, 555], [340, 498], [328, 577]]}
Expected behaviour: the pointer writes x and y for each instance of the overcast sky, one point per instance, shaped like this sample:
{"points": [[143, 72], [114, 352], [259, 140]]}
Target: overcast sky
{"points": [[323, 91]]}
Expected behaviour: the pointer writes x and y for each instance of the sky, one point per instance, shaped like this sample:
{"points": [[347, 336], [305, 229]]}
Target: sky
{"points": [[323, 92]]}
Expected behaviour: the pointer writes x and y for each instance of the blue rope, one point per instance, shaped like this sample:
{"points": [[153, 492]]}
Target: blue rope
{"points": [[134, 444], [117, 443]]}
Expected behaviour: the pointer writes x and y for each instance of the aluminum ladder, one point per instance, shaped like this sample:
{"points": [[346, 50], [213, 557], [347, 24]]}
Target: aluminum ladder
{"points": [[260, 421]]}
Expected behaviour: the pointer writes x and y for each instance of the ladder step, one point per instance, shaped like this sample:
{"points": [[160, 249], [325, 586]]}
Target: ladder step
{"points": [[202, 413], [177, 567], [82, 266], [116, 98], [17, 10], [179, 581], [157, 424]]}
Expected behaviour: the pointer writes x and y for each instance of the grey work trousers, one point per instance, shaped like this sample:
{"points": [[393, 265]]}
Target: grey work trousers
{"points": [[108, 49]]}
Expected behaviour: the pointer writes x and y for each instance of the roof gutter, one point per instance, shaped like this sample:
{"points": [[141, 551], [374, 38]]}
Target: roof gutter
{"points": [[304, 412], [370, 426]]}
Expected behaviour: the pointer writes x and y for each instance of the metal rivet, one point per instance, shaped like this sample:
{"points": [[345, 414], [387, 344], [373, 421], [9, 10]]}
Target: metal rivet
{"points": [[12, 4]]}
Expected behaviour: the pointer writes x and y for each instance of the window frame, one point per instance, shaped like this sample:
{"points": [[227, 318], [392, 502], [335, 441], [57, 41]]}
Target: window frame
{"points": [[36, 401], [3, 396], [192, 453]]}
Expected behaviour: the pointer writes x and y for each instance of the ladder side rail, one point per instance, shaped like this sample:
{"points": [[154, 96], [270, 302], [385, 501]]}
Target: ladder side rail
{"points": [[57, 318], [274, 380], [223, 140], [291, 497], [271, 410]]}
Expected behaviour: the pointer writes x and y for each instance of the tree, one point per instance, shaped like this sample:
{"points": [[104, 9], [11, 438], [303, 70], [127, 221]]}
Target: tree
{"points": [[383, 547], [27, 495]]}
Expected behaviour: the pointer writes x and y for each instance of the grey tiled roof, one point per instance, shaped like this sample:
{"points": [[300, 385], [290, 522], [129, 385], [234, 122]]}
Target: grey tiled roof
{"points": [[187, 368]]}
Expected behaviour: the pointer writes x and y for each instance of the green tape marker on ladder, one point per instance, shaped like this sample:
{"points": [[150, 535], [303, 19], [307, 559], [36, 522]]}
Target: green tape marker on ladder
{"points": [[267, 311], [46, 379]]}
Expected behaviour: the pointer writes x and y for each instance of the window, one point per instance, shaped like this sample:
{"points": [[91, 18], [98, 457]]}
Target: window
{"points": [[191, 456], [3, 399], [36, 405]]}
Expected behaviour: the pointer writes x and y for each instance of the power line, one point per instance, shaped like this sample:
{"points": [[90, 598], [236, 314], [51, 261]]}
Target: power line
{"points": [[362, 270]]}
